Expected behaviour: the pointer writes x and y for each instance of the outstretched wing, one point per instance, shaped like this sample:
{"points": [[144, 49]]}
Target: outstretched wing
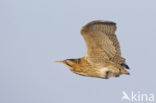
{"points": [[101, 41]]}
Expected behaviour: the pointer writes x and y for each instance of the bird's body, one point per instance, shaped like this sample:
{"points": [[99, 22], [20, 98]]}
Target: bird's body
{"points": [[103, 58]]}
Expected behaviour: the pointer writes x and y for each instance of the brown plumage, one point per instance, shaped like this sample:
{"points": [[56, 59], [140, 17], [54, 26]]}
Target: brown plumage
{"points": [[103, 58]]}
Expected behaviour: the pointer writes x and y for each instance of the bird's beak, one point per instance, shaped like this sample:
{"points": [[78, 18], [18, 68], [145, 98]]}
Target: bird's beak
{"points": [[63, 62]]}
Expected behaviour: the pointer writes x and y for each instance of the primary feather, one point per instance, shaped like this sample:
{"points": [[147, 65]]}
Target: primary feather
{"points": [[102, 43]]}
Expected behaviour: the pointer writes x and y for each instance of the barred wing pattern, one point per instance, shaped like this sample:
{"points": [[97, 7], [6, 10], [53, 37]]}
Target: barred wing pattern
{"points": [[102, 43]]}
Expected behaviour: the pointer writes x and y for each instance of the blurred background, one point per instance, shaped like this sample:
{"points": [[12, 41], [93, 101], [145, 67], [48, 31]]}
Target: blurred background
{"points": [[35, 33]]}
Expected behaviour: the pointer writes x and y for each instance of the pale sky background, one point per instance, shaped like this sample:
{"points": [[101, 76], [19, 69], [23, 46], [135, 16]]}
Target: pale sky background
{"points": [[35, 33]]}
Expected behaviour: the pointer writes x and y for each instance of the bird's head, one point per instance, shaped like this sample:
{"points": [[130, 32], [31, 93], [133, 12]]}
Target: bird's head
{"points": [[69, 62]]}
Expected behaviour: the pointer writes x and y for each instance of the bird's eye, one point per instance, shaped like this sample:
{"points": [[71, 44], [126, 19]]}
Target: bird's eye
{"points": [[69, 62]]}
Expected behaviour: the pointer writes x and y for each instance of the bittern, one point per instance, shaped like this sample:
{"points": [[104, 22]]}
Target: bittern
{"points": [[103, 58]]}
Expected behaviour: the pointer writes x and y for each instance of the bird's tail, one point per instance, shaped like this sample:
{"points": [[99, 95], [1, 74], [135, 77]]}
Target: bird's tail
{"points": [[123, 71]]}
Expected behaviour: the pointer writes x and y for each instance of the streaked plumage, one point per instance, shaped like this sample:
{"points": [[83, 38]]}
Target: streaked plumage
{"points": [[103, 58]]}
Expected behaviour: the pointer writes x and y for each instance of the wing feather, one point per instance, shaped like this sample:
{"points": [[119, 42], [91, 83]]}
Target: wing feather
{"points": [[101, 41]]}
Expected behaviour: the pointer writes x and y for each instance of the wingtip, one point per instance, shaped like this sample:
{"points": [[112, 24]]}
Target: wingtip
{"points": [[125, 65], [106, 22]]}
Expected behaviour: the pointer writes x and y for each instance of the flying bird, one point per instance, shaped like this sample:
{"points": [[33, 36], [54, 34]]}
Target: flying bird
{"points": [[103, 57]]}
